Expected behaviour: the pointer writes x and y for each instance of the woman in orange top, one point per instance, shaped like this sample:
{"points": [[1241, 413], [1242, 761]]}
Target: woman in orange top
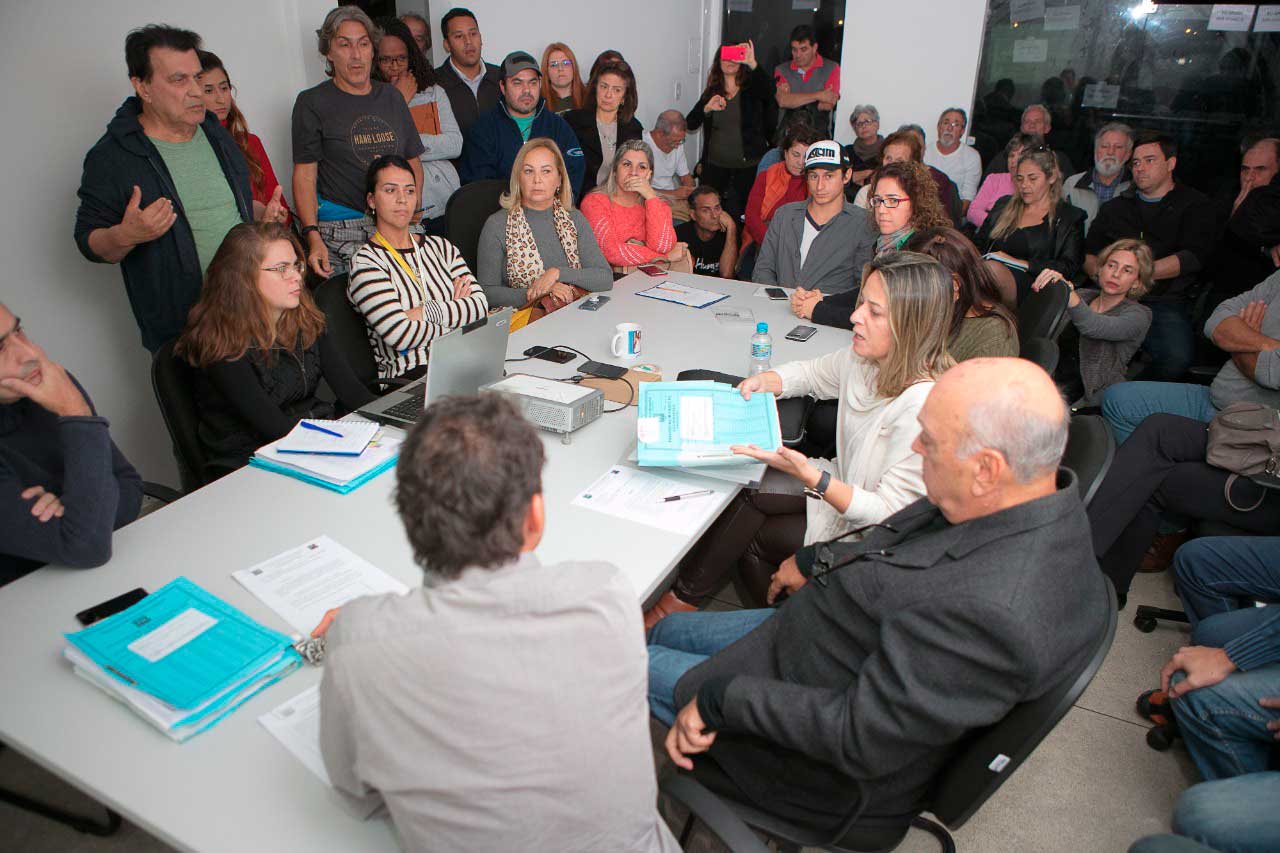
{"points": [[781, 183]]}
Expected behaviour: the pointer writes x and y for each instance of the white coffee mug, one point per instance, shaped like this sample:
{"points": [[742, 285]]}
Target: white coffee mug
{"points": [[626, 341]]}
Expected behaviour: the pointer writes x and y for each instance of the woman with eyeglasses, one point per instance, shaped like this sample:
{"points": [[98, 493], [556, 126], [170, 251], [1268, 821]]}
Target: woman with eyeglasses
{"points": [[219, 99], [401, 64], [903, 200], [409, 289], [259, 346], [561, 83], [900, 329], [864, 153], [606, 119], [1032, 231]]}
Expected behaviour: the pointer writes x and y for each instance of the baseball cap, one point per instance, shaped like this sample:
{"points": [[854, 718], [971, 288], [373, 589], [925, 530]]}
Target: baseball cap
{"points": [[826, 154], [518, 61]]}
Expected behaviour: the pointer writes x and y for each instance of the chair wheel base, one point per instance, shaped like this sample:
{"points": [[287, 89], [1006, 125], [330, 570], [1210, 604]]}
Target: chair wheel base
{"points": [[1160, 738], [1144, 624]]}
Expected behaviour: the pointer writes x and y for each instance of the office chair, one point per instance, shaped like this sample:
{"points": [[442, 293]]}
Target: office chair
{"points": [[1090, 450], [1146, 617], [172, 379], [466, 212], [984, 761], [79, 823], [1041, 351], [346, 328], [1043, 313]]}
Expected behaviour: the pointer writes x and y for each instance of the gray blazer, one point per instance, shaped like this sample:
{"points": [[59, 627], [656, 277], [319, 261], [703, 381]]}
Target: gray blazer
{"points": [[835, 259], [858, 689]]}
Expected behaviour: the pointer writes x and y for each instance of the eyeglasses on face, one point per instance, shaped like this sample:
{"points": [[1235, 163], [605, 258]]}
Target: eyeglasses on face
{"points": [[283, 269], [393, 60], [560, 63], [865, 122], [889, 201]]}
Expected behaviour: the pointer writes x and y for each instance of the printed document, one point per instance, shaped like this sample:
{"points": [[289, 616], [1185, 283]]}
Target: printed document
{"points": [[638, 496], [296, 724], [303, 583]]}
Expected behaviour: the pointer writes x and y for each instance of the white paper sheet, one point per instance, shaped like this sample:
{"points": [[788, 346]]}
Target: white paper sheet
{"points": [[1268, 20], [351, 439], [304, 582], [1025, 10], [172, 635], [1101, 96], [681, 294], [1030, 50], [296, 724], [637, 496], [1061, 18], [1231, 17]]}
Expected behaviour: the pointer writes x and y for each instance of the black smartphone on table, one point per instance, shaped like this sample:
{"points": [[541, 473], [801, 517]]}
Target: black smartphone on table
{"points": [[110, 607], [801, 333], [606, 371], [775, 293], [559, 356]]}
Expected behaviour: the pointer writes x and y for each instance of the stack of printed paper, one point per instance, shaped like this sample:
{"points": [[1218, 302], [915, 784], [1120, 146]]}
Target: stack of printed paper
{"points": [[690, 424]]}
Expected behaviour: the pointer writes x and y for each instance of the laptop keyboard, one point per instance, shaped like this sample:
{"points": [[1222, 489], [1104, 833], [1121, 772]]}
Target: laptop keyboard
{"points": [[408, 410]]}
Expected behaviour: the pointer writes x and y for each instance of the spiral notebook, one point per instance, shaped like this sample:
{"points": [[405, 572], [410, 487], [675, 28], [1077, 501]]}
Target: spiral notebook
{"points": [[329, 438]]}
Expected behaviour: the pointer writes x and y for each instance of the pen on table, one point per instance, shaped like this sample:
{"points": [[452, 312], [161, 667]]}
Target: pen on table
{"points": [[306, 425], [681, 497]]}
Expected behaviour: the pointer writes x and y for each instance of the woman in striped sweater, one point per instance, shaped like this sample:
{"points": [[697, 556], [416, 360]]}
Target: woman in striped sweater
{"points": [[410, 290]]}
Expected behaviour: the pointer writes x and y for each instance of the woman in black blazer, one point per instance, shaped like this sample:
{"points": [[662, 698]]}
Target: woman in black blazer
{"points": [[1033, 230], [739, 111], [606, 119]]}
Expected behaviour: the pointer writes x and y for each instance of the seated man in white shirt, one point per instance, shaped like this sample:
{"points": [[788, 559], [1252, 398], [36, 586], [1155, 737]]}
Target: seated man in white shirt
{"points": [[450, 705], [949, 155], [671, 179]]}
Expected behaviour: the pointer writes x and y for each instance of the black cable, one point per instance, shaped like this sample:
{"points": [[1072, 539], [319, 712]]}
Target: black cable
{"points": [[630, 399]]}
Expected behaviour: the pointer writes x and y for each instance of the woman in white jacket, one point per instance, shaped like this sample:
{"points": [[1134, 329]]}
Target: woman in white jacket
{"points": [[900, 331]]}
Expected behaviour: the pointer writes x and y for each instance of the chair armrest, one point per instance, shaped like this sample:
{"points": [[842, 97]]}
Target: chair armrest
{"points": [[713, 812], [159, 492]]}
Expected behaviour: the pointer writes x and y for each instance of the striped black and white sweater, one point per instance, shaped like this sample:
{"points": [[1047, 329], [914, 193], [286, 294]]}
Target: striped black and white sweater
{"points": [[383, 293]]}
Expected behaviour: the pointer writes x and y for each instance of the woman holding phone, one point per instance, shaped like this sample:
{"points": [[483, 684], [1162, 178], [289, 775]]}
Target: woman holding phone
{"points": [[739, 112]]}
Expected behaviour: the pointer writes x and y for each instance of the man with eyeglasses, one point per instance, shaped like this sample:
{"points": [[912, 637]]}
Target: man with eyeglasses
{"points": [[163, 185], [64, 485], [671, 179], [1112, 148], [821, 243], [949, 155], [471, 83], [898, 640], [489, 148]]}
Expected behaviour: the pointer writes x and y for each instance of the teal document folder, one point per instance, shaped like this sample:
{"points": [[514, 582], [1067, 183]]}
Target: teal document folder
{"points": [[690, 424]]}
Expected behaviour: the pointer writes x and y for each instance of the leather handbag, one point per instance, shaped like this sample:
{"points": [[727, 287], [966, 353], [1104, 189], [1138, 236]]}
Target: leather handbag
{"points": [[1244, 438]]}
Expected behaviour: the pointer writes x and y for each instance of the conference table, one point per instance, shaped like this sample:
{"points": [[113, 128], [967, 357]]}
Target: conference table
{"points": [[235, 787]]}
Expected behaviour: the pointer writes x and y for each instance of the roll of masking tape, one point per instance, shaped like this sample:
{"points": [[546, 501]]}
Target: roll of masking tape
{"points": [[646, 368]]}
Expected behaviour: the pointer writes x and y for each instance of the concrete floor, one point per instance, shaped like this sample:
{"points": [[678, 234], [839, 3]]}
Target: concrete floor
{"points": [[1093, 785]]}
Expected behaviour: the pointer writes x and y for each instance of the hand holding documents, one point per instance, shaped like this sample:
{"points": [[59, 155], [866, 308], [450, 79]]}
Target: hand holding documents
{"points": [[669, 291], [336, 438], [181, 658], [690, 424], [380, 447], [1011, 263]]}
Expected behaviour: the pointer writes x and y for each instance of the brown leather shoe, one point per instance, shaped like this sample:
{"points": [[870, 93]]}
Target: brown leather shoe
{"points": [[1159, 555], [668, 604]]}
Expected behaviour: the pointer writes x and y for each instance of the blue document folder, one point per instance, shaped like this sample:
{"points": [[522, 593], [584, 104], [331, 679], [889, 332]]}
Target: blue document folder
{"points": [[690, 424], [185, 647]]}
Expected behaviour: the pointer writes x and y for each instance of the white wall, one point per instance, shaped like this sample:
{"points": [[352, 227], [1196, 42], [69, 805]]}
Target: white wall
{"points": [[911, 59], [65, 84]]}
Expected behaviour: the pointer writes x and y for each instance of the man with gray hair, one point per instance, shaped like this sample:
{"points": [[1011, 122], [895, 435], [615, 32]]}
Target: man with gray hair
{"points": [[949, 155], [1112, 148], [898, 640], [1038, 120], [671, 179]]}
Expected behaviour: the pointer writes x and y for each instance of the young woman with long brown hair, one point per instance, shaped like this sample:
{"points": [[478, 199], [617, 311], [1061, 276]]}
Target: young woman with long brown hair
{"points": [[258, 342]]}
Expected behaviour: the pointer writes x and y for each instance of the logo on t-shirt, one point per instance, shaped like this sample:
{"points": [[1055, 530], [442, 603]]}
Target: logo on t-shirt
{"points": [[372, 137]]}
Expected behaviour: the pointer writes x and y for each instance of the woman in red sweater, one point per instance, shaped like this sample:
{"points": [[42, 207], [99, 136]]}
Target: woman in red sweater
{"points": [[631, 223], [219, 99]]}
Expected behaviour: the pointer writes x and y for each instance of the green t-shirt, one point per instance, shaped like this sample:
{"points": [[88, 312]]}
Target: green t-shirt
{"points": [[203, 191], [524, 124]]}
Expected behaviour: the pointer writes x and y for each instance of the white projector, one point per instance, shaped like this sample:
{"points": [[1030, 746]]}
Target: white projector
{"points": [[547, 404]]}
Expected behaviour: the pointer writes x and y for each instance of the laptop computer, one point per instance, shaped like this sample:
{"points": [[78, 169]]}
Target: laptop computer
{"points": [[461, 363]]}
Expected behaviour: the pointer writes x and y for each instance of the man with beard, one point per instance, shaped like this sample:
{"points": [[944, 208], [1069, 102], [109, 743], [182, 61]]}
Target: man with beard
{"points": [[949, 155], [1112, 147]]}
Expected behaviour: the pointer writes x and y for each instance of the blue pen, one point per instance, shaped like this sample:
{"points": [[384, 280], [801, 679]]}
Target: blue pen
{"points": [[306, 425]]}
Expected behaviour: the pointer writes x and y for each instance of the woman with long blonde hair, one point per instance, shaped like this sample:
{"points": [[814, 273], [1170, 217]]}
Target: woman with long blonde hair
{"points": [[258, 343], [538, 252], [1033, 233], [899, 348]]}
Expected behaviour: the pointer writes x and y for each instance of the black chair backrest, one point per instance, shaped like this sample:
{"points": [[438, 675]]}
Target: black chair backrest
{"points": [[347, 329], [1041, 313], [465, 213], [990, 756], [1090, 449], [1042, 351], [172, 380]]}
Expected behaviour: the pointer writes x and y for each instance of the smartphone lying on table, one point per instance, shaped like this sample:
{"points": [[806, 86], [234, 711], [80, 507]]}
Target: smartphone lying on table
{"points": [[802, 333], [110, 607]]}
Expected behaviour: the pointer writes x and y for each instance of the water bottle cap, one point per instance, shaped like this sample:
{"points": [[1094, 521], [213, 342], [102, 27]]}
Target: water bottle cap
{"points": [[762, 328]]}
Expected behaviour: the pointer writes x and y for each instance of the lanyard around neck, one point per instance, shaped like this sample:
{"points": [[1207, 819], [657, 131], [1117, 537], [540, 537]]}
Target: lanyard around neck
{"points": [[399, 257]]}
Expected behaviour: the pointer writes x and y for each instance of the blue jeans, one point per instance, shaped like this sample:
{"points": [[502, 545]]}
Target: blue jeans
{"points": [[1224, 727], [1127, 404], [682, 641], [1170, 342], [1232, 814], [1217, 573]]}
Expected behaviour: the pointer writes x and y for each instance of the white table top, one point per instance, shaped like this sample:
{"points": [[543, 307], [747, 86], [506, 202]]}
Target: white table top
{"points": [[234, 787]]}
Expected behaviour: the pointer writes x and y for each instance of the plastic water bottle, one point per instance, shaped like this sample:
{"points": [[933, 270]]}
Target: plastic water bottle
{"points": [[761, 349]]}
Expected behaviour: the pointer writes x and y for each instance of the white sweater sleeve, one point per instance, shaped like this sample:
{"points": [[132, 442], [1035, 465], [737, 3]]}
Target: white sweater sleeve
{"points": [[823, 377]]}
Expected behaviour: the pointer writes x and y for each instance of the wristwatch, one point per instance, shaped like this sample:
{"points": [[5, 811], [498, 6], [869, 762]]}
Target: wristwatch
{"points": [[820, 488], [307, 229]]}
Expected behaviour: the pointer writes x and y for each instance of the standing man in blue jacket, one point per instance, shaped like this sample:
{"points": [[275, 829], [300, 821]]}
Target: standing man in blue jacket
{"points": [[490, 146], [163, 185]]}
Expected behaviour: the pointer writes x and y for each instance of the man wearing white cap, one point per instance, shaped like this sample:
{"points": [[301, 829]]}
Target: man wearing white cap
{"points": [[821, 243]]}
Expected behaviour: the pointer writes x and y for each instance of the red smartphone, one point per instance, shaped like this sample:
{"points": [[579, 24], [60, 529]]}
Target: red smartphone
{"points": [[733, 52], [650, 269]]}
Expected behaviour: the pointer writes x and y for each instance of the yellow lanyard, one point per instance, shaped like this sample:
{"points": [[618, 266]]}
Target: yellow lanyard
{"points": [[395, 253]]}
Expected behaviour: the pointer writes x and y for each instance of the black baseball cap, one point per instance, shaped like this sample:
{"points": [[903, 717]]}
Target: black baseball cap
{"points": [[518, 61]]}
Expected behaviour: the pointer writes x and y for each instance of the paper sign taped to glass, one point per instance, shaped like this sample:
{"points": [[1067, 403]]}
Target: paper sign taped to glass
{"points": [[693, 424]]}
